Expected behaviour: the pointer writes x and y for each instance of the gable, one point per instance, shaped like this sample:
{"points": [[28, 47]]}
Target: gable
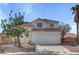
{"points": [[45, 20]]}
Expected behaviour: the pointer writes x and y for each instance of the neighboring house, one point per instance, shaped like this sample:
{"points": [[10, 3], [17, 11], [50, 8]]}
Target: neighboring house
{"points": [[43, 31], [28, 26], [70, 38], [4, 39]]}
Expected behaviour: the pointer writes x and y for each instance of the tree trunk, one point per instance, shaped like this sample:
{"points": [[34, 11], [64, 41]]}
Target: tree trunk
{"points": [[62, 38], [15, 42], [77, 40], [18, 41]]}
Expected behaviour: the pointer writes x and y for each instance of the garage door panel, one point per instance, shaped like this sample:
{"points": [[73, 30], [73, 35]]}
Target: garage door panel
{"points": [[47, 38], [46, 41]]}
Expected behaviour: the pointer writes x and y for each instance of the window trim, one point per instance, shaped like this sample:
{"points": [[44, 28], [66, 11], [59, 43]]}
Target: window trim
{"points": [[39, 25], [51, 25]]}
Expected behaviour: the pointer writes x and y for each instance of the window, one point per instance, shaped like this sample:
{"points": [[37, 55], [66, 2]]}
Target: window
{"points": [[51, 25], [39, 25]]}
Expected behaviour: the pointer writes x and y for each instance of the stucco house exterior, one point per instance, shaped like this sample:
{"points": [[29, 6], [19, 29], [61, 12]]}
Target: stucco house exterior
{"points": [[42, 31]]}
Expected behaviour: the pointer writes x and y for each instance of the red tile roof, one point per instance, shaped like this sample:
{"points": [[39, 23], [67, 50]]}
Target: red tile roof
{"points": [[47, 30], [29, 24]]}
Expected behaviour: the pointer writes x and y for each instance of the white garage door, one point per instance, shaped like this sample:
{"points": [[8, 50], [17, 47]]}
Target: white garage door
{"points": [[46, 37]]}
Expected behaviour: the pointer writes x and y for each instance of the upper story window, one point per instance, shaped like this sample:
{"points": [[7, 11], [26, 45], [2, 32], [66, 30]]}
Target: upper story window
{"points": [[51, 25], [39, 25]]}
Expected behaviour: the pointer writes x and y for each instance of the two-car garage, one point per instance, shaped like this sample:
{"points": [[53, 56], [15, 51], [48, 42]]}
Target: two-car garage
{"points": [[44, 37]]}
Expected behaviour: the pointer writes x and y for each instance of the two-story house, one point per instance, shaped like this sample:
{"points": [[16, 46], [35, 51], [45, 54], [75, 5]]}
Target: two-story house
{"points": [[43, 31]]}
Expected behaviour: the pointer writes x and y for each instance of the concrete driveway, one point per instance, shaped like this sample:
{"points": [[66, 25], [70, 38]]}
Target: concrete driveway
{"points": [[58, 49]]}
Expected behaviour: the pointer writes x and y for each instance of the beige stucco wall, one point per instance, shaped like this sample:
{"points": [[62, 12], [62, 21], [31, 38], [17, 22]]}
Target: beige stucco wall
{"points": [[24, 40], [28, 28], [45, 24], [55, 25], [35, 24]]}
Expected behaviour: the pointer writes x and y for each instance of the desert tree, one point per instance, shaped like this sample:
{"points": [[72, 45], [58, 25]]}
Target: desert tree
{"points": [[13, 26], [64, 28]]}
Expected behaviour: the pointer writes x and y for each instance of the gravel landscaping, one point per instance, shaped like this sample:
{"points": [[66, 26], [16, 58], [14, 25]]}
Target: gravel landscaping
{"points": [[40, 50]]}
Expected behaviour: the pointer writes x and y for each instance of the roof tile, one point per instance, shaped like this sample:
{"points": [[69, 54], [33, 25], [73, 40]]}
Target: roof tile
{"points": [[28, 24]]}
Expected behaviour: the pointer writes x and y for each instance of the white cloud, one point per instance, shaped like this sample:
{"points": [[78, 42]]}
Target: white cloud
{"points": [[27, 9], [2, 16], [73, 28]]}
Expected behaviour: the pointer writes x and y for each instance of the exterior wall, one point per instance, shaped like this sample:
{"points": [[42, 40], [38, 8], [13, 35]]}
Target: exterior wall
{"points": [[46, 37], [23, 41], [55, 24], [44, 24], [35, 24], [41, 38], [28, 28]]}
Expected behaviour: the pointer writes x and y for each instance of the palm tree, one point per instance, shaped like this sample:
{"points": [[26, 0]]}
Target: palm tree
{"points": [[76, 19]]}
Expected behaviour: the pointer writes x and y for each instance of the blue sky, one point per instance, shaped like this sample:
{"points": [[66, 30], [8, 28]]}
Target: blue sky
{"points": [[54, 11]]}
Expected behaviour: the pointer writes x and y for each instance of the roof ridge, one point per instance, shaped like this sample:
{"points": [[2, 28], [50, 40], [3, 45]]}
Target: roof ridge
{"points": [[45, 19]]}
